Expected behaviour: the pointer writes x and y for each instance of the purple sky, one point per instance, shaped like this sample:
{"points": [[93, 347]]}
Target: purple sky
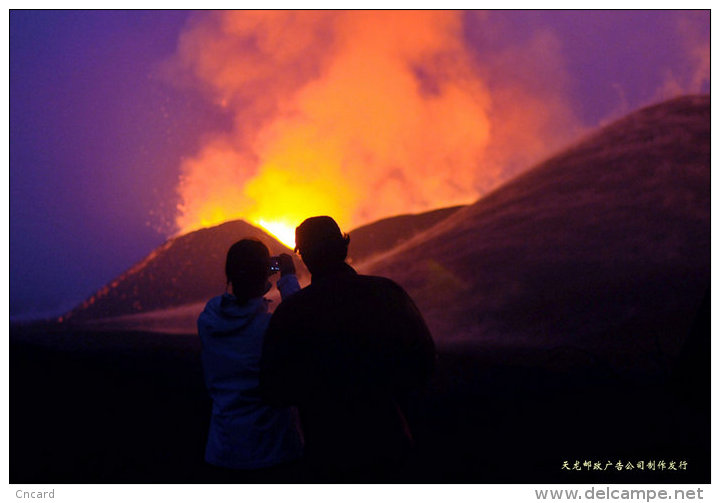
{"points": [[97, 134]]}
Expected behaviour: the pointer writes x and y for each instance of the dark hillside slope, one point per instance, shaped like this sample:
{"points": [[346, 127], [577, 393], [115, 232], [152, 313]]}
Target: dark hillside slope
{"points": [[383, 235], [604, 247], [189, 269], [186, 269]]}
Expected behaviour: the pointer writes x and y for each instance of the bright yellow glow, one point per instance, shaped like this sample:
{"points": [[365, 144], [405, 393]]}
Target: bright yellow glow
{"points": [[330, 137], [284, 232], [213, 216]]}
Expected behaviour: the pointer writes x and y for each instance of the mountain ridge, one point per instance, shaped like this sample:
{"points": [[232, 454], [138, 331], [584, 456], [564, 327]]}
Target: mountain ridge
{"points": [[609, 237]]}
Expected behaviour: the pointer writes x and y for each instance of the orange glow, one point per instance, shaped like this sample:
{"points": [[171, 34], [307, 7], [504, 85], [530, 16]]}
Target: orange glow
{"points": [[358, 115], [283, 231]]}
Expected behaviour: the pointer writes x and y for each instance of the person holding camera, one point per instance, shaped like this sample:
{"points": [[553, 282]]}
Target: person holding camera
{"points": [[248, 440], [347, 350]]}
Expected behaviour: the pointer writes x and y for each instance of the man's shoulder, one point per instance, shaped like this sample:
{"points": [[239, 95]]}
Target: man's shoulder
{"points": [[377, 279], [342, 286], [294, 303], [380, 282]]}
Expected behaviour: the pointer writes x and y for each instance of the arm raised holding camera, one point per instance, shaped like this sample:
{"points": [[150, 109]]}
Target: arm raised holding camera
{"points": [[288, 283]]}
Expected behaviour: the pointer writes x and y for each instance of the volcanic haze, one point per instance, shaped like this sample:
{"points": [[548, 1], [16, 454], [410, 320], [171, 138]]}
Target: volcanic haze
{"points": [[361, 115]]}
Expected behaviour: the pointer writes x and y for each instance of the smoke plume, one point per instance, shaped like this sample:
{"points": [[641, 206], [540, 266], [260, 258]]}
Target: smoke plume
{"points": [[358, 115]]}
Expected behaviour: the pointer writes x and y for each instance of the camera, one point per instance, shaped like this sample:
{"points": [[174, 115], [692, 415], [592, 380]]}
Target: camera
{"points": [[274, 264]]}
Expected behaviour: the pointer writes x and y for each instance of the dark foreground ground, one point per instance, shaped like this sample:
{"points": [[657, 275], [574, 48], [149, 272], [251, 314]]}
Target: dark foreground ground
{"points": [[95, 407]]}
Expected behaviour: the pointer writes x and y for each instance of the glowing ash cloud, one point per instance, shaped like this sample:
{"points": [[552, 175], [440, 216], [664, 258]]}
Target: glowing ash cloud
{"points": [[358, 115]]}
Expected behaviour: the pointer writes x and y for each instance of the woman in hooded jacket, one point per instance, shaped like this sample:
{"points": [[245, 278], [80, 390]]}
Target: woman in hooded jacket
{"points": [[248, 438]]}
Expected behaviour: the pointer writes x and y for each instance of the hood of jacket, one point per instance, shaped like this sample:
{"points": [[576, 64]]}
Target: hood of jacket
{"points": [[223, 315]]}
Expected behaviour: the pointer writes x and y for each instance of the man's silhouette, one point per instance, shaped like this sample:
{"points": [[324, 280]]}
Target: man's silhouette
{"points": [[346, 350]]}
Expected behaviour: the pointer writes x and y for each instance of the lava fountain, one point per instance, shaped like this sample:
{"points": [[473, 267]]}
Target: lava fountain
{"points": [[354, 114]]}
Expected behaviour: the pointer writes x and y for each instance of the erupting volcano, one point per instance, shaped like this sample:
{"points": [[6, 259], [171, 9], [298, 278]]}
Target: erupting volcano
{"points": [[607, 241], [359, 115], [538, 182]]}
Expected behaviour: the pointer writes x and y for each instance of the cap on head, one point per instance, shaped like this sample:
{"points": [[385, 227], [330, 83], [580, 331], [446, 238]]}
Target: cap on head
{"points": [[321, 244], [315, 231]]}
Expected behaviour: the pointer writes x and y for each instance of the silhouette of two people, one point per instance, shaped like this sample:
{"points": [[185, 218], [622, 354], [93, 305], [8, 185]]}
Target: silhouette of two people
{"points": [[345, 352]]}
